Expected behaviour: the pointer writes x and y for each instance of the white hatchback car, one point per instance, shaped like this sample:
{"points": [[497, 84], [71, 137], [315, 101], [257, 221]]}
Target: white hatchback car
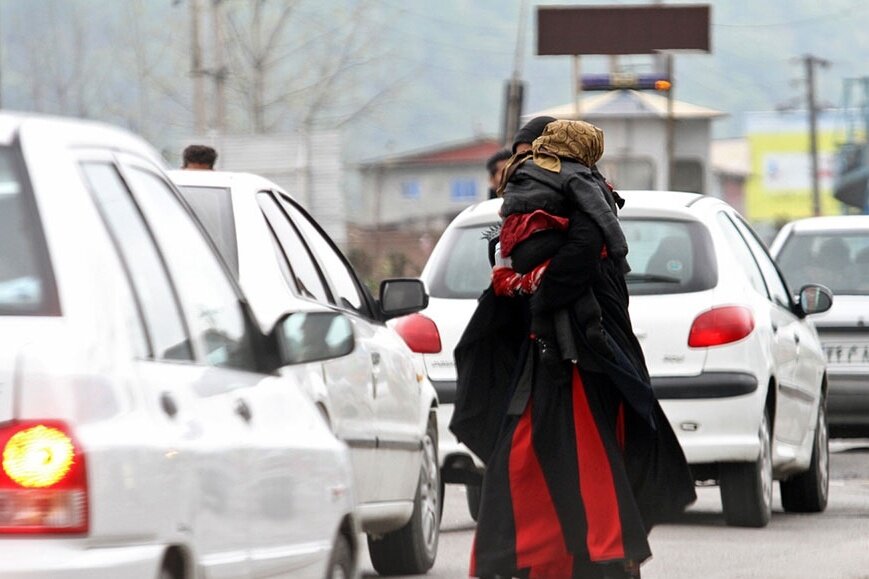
{"points": [[375, 399], [834, 251], [737, 366], [144, 430]]}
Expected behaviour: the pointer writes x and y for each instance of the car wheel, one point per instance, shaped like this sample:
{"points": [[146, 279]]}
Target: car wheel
{"points": [[411, 550], [341, 561], [475, 493], [746, 487], [807, 492]]}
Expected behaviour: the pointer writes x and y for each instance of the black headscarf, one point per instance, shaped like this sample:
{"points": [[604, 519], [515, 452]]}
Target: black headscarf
{"points": [[531, 130]]}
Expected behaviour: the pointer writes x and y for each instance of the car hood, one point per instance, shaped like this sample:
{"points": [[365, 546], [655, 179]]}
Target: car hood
{"points": [[848, 311]]}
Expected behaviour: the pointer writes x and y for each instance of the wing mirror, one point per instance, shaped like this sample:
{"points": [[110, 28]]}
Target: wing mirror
{"points": [[815, 299], [402, 296], [313, 336]]}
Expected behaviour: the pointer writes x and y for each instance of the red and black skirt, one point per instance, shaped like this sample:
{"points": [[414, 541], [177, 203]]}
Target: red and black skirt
{"points": [[559, 499]]}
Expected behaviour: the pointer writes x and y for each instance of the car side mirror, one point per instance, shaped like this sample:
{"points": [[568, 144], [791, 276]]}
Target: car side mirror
{"points": [[314, 336], [402, 296], [815, 299]]}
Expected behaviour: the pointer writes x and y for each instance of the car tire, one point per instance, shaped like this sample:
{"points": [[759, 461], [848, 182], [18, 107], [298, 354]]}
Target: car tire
{"points": [[412, 549], [475, 493], [746, 487], [807, 492], [341, 561]]}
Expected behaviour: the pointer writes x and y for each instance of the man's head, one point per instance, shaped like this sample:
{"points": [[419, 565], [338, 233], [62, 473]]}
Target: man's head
{"points": [[526, 135], [199, 157], [495, 166]]}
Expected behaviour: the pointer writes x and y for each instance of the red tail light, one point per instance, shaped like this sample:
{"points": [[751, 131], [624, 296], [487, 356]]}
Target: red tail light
{"points": [[43, 481], [420, 333], [721, 326]]}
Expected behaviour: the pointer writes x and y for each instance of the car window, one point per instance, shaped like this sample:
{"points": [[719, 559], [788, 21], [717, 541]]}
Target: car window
{"points": [[836, 259], [777, 289], [461, 269], [668, 256], [306, 275], [344, 282], [743, 256], [156, 298], [26, 282], [213, 207], [218, 323]]}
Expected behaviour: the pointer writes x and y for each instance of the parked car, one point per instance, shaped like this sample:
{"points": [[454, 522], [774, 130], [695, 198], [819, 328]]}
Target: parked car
{"points": [[375, 400], [144, 431], [733, 358], [834, 251]]}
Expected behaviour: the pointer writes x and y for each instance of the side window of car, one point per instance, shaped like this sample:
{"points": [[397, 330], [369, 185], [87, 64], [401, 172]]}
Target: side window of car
{"points": [[305, 273], [157, 302], [218, 323], [742, 253], [343, 279], [777, 288]]}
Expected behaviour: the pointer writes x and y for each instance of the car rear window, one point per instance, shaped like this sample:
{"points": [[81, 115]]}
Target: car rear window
{"points": [[836, 259], [26, 281], [669, 257], [462, 270], [213, 207]]}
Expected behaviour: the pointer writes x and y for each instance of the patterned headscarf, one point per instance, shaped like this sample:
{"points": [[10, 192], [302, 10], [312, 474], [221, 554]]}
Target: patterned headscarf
{"points": [[576, 140]]}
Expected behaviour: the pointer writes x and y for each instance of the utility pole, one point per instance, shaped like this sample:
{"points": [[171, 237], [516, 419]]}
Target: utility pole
{"points": [[514, 95], [196, 70], [810, 62], [219, 72]]}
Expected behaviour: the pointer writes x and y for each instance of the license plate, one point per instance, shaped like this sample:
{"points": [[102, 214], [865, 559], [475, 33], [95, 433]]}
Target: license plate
{"points": [[848, 354]]}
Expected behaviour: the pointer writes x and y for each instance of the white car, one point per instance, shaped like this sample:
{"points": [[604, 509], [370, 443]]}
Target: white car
{"points": [[374, 399], [834, 252], [737, 366], [144, 430]]}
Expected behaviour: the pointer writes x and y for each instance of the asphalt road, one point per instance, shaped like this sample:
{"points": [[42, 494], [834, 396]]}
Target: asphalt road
{"points": [[830, 545]]}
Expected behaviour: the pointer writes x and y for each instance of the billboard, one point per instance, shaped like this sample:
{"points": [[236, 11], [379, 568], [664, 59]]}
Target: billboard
{"points": [[780, 187]]}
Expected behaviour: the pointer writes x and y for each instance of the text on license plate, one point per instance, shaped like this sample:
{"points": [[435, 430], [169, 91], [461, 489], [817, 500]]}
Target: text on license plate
{"points": [[847, 353]]}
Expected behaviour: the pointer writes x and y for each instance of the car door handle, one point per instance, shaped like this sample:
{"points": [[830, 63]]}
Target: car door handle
{"points": [[797, 339], [774, 328], [243, 410], [375, 358], [168, 404]]}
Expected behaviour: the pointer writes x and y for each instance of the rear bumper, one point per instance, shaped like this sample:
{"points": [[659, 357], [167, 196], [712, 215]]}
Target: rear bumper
{"points": [[716, 415], [46, 558], [848, 400]]}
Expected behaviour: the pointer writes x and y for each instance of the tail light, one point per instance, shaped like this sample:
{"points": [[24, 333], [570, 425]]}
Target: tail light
{"points": [[721, 326], [419, 333], [43, 481]]}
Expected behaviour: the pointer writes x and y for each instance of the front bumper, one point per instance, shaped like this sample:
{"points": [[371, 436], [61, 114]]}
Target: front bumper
{"points": [[458, 464], [51, 558], [716, 415]]}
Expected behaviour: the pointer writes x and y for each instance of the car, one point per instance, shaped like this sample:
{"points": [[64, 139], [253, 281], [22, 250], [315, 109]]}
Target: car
{"points": [[834, 251], [375, 399], [144, 429], [734, 360]]}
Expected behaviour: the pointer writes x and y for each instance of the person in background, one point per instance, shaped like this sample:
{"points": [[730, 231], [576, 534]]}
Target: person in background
{"points": [[495, 166], [199, 158]]}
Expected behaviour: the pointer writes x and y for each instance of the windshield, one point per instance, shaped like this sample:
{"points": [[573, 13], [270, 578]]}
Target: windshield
{"points": [[665, 257], [838, 260], [213, 207], [669, 257], [461, 267], [26, 287]]}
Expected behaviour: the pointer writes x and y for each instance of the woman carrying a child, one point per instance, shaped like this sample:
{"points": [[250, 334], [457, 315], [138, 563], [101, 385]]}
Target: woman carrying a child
{"points": [[553, 391]]}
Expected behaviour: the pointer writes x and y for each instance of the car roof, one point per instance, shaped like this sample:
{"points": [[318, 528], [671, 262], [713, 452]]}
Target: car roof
{"points": [[75, 132], [831, 223], [227, 179], [638, 203]]}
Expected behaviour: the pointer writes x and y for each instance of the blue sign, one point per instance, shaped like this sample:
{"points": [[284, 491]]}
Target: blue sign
{"points": [[410, 189]]}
